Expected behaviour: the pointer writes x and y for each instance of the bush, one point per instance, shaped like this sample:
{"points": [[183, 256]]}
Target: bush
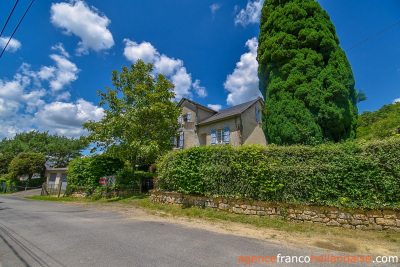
{"points": [[88, 171], [347, 174]]}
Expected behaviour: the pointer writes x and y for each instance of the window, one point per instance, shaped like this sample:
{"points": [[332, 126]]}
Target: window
{"points": [[220, 136], [258, 115], [52, 178]]}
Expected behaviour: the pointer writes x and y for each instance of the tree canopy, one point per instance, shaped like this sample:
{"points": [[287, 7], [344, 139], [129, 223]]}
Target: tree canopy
{"points": [[87, 171], [139, 117], [305, 77], [56, 148], [27, 164]]}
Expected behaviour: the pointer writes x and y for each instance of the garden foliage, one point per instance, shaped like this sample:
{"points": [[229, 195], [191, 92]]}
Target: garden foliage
{"points": [[345, 174], [88, 171], [305, 77]]}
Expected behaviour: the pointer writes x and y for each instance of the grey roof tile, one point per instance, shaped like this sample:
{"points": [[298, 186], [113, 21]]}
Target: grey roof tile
{"points": [[230, 112]]}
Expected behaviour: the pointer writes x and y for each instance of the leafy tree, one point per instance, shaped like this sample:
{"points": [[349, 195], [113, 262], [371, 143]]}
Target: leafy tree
{"points": [[139, 118], [58, 149], [27, 164], [87, 171], [4, 163], [379, 124], [305, 77]]}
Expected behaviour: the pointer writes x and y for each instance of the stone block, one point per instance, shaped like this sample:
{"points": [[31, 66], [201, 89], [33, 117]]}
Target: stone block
{"points": [[250, 212], [355, 222], [261, 213], [385, 222], [237, 210], [374, 213], [389, 214], [308, 212], [316, 219], [332, 215], [333, 223]]}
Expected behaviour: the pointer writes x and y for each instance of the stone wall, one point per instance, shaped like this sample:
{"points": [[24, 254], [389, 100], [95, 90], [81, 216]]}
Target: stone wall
{"points": [[383, 219]]}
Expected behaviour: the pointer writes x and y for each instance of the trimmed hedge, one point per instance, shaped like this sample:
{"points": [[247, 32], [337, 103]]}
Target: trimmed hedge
{"points": [[347, 174]]}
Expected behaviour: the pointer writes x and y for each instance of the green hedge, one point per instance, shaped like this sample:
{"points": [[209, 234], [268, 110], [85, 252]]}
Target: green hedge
{"points": [[346, 174]]}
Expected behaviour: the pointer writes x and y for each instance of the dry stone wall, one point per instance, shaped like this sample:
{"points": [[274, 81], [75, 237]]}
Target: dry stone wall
{"points": [[383, 219]]}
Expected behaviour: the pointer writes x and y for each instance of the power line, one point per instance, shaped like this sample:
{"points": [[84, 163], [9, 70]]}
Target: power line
{"points": [[16, 28], [366, 40], [9, 16]]}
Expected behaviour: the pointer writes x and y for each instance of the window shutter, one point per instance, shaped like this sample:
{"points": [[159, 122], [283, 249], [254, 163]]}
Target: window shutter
{"points": [[181, 140], [172, 141], [212, 137], [180, 119], [226, 134], [257, 115], [189, 116]]}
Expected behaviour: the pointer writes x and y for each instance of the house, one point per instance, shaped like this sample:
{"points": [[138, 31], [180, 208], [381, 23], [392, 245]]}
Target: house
{"points": [[236, 125], [55, 176]]}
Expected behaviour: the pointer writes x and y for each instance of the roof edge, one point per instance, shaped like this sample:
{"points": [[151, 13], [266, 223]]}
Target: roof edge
{"points": [[195, 103]]}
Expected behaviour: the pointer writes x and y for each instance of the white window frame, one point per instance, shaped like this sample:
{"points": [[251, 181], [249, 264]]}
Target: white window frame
{"points": [[219, 136]]}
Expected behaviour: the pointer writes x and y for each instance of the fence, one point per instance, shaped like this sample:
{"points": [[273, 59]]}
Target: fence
{"points": [[54, 189], [13, 188]]}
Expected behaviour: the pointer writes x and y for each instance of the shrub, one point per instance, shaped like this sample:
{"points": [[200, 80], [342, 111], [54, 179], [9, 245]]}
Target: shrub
{"points": [[88, 171], [346, 174]]}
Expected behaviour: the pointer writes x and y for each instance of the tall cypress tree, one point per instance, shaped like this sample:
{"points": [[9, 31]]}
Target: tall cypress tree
{"points": [[305, 77]]}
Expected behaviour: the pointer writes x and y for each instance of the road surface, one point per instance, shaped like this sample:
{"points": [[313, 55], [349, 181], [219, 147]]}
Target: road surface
{"points": [[39, 233]]}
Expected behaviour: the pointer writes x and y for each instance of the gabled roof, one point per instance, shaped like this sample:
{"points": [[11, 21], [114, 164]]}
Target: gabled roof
{"points": [[195, 103], [231, 112]]}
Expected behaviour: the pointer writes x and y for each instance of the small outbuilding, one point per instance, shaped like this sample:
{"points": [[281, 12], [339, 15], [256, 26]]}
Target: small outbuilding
{"points": [[54, 176]]}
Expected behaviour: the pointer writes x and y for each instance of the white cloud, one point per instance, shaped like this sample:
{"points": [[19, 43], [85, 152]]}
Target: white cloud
{"points": [[243, 82], [67, 118], [251, 14], [396, 100], [170, 67], [85, 22], [60, 49], [64, 73], [8, 108], [167, 66], [214, 7], [182, 81], [13, 46], [144, 51], [25, 105], [215, 107], [200, 90]]}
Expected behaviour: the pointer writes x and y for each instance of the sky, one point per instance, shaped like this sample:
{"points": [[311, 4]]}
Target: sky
{"points": [[64, 51]]}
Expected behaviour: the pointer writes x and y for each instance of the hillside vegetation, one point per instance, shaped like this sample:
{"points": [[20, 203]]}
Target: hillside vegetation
{"points": [[379, 124]]}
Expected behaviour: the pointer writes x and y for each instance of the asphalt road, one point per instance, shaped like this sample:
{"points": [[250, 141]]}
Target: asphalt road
{"points": [[38, 233]]}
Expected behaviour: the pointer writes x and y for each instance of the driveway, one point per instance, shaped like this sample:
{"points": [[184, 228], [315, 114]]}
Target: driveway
{"points": [[39, 233]]}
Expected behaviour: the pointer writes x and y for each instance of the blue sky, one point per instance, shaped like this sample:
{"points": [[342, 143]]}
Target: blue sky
{"points": [[64, 51]]}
